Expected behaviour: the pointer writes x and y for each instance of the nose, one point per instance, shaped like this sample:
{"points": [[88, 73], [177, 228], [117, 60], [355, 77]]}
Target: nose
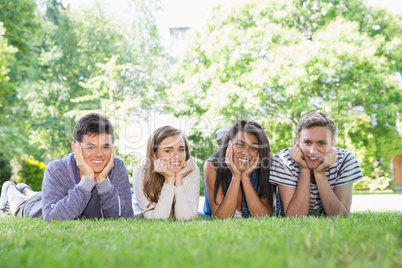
{"points": [[312, 149], [176, 154], [245, 151], [98, 151]]}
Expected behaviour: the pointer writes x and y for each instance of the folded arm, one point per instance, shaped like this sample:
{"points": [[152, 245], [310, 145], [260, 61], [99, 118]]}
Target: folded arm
{"points": [[187, 198], [296, 201], [223, 206], [258, 207], [336, 202], [114, 193], [159, 210], [58, 201]]}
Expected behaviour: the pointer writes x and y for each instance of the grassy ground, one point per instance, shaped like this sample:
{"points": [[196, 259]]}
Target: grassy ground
{"points": [[365, 239], [376, 192]]}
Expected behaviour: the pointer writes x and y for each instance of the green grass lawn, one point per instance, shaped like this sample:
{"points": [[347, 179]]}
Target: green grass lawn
{"points": [[365, 239], [376, 192]]}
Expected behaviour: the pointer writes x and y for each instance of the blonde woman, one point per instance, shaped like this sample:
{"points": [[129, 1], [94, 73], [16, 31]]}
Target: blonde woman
{"points": [[167, 184]]}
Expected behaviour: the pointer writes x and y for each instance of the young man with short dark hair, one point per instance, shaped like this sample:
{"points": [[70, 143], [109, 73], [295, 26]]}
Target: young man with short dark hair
{"points": [[88, 183], [314, 177]]}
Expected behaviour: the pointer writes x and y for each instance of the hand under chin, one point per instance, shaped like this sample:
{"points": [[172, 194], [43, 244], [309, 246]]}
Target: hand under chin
{"points": [[176, 169], [98, 172]]}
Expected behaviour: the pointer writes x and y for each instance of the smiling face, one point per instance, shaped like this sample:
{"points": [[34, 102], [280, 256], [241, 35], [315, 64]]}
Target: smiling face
{"points": [[245, 146], [315, 142], [172, 150], [96, 150]]}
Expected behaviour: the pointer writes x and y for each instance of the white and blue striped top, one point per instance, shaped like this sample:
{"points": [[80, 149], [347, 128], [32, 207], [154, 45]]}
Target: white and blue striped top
{"points": [[285, 171]]}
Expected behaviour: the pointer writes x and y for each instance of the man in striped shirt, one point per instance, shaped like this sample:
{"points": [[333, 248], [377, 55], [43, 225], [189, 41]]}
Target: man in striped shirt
{"points": [[314, 177]]}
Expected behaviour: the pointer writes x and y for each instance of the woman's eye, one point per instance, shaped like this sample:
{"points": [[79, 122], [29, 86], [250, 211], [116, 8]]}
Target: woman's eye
{"points": [[182, 150], [239, 145], [254, 148]]}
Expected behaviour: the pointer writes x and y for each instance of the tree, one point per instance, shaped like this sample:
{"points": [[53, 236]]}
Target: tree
{"points": [[6, 57], [273, 61], [23, 33], [88, 59], [19, 38]]}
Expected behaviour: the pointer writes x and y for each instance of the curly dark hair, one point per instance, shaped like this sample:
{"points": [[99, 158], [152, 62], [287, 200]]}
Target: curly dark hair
{"points": [[266, 189]]}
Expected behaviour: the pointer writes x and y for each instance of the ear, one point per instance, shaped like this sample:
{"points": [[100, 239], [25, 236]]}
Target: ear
{"points": [[155, 156], [73, 146], [298, 139], [333, 143]]}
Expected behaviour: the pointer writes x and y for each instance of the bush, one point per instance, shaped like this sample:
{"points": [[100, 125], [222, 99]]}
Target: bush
{"points": [[379, 180], [367, 184], [31, 173], [5, 170]]}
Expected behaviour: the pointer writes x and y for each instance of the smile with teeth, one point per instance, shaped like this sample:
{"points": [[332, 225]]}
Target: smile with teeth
{"points": [[313, 158], [175, 163], [97, 162], [245, 161]]}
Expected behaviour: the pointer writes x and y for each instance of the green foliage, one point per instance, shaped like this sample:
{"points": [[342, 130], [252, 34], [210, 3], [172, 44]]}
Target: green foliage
{"points": [[201, 149], [382, 181], [6, 57], [19, 40], [70, 62], [364, 239], [273, 61], [23, 33], [31, 173], [5, 169]]}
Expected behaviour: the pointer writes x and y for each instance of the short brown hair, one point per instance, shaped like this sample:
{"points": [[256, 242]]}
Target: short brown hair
{"points": [[93, 124], [317, 119]]}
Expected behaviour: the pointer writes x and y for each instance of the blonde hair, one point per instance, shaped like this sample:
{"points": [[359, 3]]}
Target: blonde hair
{"points": [[153, 181], [317, 119]]}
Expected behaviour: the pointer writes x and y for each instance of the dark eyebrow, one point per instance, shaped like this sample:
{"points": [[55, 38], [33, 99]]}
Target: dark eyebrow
{"points": [[317, 141], [244, 142], [90, 143], [171, 147]]}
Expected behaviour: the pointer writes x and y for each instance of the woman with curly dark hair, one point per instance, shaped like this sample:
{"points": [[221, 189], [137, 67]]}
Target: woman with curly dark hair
{"points": [[236, 183]]}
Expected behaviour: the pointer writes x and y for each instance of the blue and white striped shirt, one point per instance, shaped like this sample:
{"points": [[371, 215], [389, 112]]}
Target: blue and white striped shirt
{"points": [[285, 171]]}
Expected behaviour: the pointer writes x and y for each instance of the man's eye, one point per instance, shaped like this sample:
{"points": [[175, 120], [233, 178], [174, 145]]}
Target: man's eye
{"points": [[90, 147], [106, 147], [168, 151]]}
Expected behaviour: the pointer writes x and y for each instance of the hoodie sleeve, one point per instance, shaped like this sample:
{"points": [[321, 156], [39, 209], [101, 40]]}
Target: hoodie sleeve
{"points": [[61, 201], [114, 192]]}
